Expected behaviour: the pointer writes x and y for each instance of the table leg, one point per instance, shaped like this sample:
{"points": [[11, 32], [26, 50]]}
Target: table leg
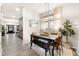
{"points": [[31, 41], [45, 53]]}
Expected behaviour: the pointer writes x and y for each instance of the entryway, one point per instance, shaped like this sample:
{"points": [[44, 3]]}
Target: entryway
{"points": [[10, 28]]}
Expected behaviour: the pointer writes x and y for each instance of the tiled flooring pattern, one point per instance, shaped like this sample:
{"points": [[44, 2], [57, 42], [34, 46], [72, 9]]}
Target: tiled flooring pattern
{"points": [[12, 46]]}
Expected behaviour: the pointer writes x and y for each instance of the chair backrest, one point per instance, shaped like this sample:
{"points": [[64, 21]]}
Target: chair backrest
{"points": [[58, 41]]}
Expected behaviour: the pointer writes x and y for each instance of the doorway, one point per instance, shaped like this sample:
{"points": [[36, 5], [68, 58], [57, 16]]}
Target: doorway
{"points": [[10, 29]]}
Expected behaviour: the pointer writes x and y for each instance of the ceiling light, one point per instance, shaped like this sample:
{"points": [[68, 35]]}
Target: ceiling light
{"points": [[17, 9], [13, 16]]}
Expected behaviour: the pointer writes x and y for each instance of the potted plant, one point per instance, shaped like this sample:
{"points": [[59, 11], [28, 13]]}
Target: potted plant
{"points": [[67, 30]]}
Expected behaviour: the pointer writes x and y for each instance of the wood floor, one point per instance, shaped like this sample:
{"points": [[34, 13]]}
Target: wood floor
{"points": [[12, 46]]}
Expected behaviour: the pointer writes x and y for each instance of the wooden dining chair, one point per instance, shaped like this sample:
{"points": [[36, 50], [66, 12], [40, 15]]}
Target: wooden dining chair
{"points": [[57, 44]]}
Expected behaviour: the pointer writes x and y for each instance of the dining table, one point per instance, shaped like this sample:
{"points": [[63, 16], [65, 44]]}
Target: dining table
{"points": [[43, 41]]}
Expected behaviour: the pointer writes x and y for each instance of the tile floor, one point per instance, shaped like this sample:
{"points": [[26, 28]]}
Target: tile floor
{"points": [[12, 46]]}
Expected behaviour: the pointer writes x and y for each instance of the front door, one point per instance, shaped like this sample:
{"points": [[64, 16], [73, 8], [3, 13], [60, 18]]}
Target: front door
{"points": [[10, 28]]}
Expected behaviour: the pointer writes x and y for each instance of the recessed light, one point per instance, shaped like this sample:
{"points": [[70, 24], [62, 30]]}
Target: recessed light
{"points": [[13, 16], [17, 9]]}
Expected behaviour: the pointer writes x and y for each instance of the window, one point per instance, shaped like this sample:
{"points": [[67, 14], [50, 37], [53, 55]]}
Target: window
{"points": [[51, 24], [44, 25], [33, 23]]}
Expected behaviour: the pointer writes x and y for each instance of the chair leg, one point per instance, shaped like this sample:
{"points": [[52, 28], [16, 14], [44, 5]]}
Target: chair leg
{"points": [[59, 52], [49, 52], [62, 49], [45, 53]]}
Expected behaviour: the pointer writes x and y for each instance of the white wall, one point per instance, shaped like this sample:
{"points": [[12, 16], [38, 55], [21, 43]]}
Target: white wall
{"points": [[71, 11], [28, 14]]}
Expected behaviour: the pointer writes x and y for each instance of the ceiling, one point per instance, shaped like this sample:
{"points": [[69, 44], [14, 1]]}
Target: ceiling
{"points": [[41, 7], [9, 9]]}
